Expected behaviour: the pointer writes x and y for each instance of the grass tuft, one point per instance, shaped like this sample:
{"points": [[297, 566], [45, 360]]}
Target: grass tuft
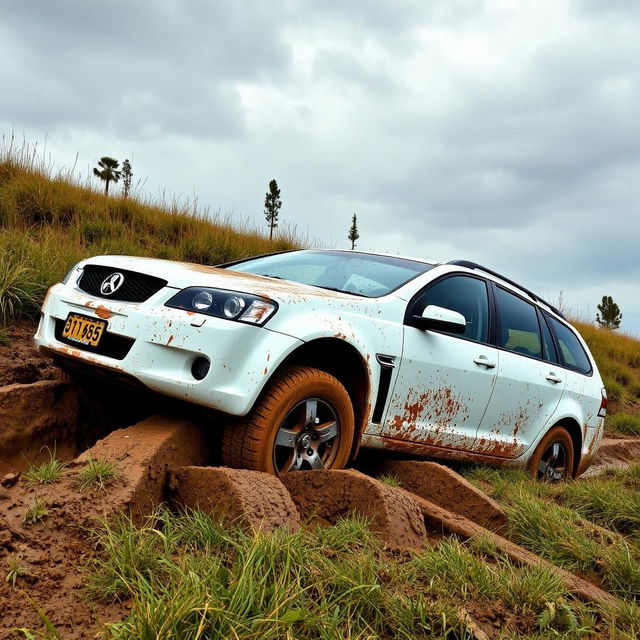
{"points": [[98, 473], [390, 480], [46, 473], [16, 570], [36, 512]]}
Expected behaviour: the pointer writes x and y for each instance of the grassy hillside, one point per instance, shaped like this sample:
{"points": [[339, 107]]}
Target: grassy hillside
{"points": [[47, 224]]}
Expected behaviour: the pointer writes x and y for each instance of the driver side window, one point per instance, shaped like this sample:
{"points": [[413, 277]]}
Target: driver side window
{"points": [[465, 295]]}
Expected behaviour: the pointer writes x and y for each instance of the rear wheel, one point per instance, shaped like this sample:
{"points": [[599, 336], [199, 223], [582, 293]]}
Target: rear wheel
{"points": [[553, 458], [304, 420]]}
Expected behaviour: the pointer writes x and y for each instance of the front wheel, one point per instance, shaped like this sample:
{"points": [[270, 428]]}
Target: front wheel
{"points": [[553, 458], [304, 420]]}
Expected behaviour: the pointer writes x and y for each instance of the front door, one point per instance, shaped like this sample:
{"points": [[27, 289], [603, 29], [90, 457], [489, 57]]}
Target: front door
{"points": [[444, 381]]}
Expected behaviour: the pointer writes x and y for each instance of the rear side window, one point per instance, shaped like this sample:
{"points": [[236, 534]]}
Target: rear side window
{"points": [[519, 324], [572, 353], [465, 295]]}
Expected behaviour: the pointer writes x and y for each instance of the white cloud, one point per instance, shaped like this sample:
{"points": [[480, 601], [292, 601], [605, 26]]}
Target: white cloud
{"points": [[501, 132]]}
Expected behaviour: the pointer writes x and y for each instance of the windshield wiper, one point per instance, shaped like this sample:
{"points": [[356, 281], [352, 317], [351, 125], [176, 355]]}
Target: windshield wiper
{"points": [[351, 293]]}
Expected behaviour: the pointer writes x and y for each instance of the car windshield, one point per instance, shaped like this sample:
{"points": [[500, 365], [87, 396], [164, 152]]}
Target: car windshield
{"points": [[360, 274]]}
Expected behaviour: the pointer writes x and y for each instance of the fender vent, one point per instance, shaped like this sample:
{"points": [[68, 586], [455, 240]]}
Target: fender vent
{"points": [[387, 363]]}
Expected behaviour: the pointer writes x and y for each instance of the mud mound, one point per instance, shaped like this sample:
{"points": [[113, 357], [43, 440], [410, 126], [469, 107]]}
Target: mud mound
{"points": [[257, 500], [21, 363], [33, 416], [446, 488], [614, 452], [54, 549], [144, 454], [324, 496]]}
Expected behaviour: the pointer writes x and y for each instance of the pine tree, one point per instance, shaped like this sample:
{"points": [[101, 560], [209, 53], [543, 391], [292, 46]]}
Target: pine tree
{"points": [[127, 176], [108, 172], [272, 204], [353, 231], [609, 316]]}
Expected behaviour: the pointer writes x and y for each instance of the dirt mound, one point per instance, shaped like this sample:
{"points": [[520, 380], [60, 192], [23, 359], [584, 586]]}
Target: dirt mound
{"points": [[258, 500], [20, 361], [446, 488], [55, 548], [145, 453], [36, 416], [324, 496], [614, 452]]}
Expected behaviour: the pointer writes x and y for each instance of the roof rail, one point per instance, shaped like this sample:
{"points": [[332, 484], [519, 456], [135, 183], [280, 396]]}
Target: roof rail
{"points": [[474, 265]]}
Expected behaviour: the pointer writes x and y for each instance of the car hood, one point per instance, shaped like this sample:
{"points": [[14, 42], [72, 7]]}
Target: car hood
{"points": [[180, 275]]}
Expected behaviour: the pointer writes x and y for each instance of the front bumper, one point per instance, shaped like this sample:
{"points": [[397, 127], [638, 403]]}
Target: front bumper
{"points": [[164, 342]]}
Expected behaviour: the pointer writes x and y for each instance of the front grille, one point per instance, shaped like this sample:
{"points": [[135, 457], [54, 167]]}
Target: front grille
{"points": [[137, 287], [111, 345]]}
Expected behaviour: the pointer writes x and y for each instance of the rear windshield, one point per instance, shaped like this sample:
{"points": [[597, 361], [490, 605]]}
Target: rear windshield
{"points": [[357, 273]]}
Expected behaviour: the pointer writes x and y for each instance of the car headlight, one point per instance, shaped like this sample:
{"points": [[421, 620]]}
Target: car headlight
{"points": [[230, 305]]}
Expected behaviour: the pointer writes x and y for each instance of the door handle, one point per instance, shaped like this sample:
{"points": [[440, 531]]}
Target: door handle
{"points": [[482, 361], [552, 377]]}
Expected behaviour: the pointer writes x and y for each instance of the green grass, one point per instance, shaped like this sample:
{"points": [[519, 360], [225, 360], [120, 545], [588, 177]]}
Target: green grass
{"points": [[624, 424], [188, 576], [98, 473], [46, 473], [548, 520], [5, 336], [607, 501], [390, 480], [36, 512]]}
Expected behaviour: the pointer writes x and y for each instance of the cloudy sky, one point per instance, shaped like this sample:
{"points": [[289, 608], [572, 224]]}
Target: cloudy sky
{"points": [[499, 131]]}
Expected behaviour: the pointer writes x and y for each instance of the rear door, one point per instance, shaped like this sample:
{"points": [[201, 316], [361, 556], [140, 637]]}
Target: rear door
{"points": [[529, 383], [444, 380]]}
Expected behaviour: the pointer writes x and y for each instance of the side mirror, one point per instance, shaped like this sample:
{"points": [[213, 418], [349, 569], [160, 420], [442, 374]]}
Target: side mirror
{"points": [[441, 319]]}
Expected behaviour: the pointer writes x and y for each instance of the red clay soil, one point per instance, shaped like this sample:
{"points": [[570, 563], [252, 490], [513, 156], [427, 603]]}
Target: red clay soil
{"points": [[614, 452], [446, 488], [34, 417], [257, 500], [20, 361], [56, 550], [323, 496]]}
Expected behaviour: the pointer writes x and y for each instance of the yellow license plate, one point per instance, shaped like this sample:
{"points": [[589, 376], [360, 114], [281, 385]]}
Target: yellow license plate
{"points": [[83, 329]]}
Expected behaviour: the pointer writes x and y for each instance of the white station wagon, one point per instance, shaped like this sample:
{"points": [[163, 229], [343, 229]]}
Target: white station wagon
{"points": [[320, 352]]}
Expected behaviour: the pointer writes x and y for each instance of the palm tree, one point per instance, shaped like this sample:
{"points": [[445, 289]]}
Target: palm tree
{"points": [[108, 172]]}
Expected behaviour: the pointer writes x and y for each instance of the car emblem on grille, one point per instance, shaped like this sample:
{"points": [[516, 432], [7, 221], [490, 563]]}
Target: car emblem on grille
{"points": [[111, 284]]}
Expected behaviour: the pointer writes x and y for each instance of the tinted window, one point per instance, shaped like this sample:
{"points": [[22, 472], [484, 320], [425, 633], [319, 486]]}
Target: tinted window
{"points": [[352, 272], [571, 351], [519, 325], [467, 296]]}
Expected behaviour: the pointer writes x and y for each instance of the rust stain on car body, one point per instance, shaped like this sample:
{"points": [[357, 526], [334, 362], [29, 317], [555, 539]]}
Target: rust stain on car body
{"points": [[437, 410], [103, 312]]}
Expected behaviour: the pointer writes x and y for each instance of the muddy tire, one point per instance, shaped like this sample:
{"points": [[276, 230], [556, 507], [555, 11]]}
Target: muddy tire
{"points": [[304, 420], [553, 459]]}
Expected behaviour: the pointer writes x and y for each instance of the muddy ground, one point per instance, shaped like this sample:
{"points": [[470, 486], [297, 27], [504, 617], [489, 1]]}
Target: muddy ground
{"points": [[42, 410]]}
